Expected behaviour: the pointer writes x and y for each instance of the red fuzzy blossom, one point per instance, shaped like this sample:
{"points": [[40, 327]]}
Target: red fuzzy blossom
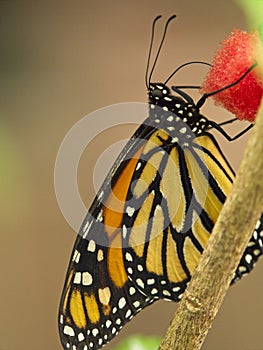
{"points": [[236, 55]]}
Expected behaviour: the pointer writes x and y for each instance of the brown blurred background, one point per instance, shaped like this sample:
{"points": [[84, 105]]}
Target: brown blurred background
{"points": [[61, 60]]}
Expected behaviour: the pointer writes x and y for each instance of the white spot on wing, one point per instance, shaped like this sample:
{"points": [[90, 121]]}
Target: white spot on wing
{"points": [[140, 282], [150, 281], [81, 337], [257, 252], [77, 278], [183, 130], [108, 323], [100, 195], [132, 290], [76, 256], [128, 256], [140, 267], [136, 304], [86, 279], [95, 332], [138, 165], [104, 296], [91, 246], [86, 228], [255, 235], [100, 216], [69, 331], [128, 314], [175, 139], [248, 258], [167, 293], [242, 269], [100, 255], [122, 303], [124, 231], [130, 210]]}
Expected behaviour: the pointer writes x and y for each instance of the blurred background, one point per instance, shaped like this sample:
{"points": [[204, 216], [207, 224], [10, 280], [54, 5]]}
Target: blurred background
{"points": [[61, 60]]}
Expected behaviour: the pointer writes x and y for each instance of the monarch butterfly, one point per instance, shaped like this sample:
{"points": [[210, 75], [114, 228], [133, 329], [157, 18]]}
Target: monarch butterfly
{"points": [[150, 221]]}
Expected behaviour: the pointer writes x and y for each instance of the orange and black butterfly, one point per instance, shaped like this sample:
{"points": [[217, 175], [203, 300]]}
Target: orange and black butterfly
{"points": [[150, 221]]}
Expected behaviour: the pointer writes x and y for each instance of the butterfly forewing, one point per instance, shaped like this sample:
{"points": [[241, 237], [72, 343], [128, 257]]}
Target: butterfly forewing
{"points": [[98, 298]]}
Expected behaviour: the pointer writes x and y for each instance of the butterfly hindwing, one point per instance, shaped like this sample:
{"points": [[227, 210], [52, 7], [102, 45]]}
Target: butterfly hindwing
{"points": [[175, 197], [170, 213]]}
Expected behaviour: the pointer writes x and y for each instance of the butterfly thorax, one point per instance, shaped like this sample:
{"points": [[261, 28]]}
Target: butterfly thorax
{"points": [[174, 109]]}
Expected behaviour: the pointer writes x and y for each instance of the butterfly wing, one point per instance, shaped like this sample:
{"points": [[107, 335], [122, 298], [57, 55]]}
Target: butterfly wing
{"points": [[252, 252], [173, 207], [144, 234], [96, 303], [98, 298]]}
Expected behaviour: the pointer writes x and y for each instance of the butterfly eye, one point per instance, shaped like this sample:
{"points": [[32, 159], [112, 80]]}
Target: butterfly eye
{"points": [[156, 93]]}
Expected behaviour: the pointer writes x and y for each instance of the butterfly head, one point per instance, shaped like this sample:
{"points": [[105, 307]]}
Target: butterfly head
{"points": [[157, 91], [160, 95]]}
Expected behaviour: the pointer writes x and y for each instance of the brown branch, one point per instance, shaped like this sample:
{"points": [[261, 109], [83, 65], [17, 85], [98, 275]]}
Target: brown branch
{"points": [[211, 279]]}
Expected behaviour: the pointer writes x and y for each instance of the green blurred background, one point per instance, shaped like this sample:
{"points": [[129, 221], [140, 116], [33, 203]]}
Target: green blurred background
{"points": [[61, 60]]}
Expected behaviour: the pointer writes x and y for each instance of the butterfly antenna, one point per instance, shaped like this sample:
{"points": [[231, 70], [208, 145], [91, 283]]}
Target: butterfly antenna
{"points": [[150, 50], [183, 65], [160, 47]]}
